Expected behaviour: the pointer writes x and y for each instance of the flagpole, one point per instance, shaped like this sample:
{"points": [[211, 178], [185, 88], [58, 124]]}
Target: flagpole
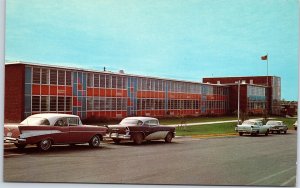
{"points": [[267, 82]]}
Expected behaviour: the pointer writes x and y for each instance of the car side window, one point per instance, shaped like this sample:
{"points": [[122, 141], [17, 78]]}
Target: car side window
{"points": [[147, 123], [139, 123], [151, 123], [61, 122], [73, 121]]}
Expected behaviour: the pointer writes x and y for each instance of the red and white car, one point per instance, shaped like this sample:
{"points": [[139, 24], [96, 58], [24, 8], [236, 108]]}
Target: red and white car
{"points": [[44, 130]]}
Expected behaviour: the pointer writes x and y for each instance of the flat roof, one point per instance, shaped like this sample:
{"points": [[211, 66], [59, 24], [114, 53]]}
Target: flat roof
{"points": [[106, 72]]}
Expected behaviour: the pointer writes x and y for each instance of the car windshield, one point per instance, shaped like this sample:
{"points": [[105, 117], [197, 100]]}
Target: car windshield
{"points": [[131, 122], [273, 123], [249, 122], [35, 121]]}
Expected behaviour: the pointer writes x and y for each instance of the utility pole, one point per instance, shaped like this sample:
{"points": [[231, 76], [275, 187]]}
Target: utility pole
{"points": [[238, 112]]}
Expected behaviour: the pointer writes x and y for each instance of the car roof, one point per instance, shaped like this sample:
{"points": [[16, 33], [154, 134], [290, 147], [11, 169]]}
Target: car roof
{"points": [[52, 117], [141, 118]]}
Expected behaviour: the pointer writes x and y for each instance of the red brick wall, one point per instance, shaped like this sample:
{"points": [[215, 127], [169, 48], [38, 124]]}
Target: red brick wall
{"points": [[14, 93]]}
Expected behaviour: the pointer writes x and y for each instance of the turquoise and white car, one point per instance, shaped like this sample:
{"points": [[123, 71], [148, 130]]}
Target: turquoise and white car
{"points": [[252, 127]]}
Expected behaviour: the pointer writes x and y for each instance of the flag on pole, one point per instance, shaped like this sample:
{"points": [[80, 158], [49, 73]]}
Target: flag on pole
{"points": [[264, 57]]}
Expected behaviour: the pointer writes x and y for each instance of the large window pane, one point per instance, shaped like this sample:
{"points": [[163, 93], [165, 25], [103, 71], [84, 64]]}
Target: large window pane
{"points": [[53, 104], [44, 103], [53, 77], [45, 76], [61, 77], [61, 103], [35, 103], [36, 76], [68, 78]]}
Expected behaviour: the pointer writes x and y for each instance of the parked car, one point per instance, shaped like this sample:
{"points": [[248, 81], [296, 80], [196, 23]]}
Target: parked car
{"points": [[139, 129], [47, 129], [277, 126], [253, 127], [295, 125]]}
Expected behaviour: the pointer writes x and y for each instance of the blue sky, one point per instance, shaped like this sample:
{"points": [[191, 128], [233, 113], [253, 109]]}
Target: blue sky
{"points": [[180, 39]]}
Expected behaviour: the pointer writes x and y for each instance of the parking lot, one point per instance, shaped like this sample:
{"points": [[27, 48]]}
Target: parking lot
{"points": [[232, 160]]}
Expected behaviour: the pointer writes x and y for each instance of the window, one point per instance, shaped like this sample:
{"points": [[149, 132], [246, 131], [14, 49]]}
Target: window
{"points": [[53, 104], [113, 82], [108, 81], [45, 76], [36, 75], [89, 103], [102, 80], [61, 77], [119, 82], [68, 103], [96, 80], [35, 103], [68, 78], [61, 103], [73, 121], [62, 122], [90, 80], [53, 77], [44, 103]]}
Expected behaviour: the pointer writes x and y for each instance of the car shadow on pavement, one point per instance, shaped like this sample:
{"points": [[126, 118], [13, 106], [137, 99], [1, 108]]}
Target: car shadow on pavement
{"points": [[54, 149]]}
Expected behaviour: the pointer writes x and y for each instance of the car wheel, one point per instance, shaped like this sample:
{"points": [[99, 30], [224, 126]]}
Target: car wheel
{"points": [[138, 138], [95, 141], [45, 145], [267, 132], [284, 132], [20, 146], [116, 141], [168, 138], [278, 132], [241, 134]]}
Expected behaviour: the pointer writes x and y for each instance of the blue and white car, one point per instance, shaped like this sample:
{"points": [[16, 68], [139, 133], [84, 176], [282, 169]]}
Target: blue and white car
{"points": [[252, 127]]}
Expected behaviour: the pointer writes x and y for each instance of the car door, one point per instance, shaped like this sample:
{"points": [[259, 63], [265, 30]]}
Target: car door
{"points": [[62, 131], [78, 133], [154, 131]]}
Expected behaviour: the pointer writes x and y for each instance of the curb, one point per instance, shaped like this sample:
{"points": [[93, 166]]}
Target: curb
{"points": [[214, 135]]}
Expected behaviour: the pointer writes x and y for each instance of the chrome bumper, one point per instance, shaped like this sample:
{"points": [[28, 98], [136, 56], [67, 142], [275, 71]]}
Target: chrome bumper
{"points": [[14, 140], [118, 136]]}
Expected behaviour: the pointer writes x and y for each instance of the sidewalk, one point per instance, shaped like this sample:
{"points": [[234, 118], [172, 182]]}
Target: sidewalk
{"points": [[209, 122]]}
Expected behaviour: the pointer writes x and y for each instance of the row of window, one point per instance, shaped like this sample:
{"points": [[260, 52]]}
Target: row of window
{"points": [[106, 103], [51, 76], [51, 104], [256, 91], [256, 105], [106, 81], [216, 104], [214, 90], [62, 77]]}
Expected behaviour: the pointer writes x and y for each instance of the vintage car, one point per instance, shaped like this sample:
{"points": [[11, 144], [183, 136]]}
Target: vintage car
{"points": [[139, 129], [295, 125], [253, 127], [47, 129], [277, 126]]}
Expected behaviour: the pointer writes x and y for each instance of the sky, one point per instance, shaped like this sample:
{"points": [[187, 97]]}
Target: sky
{"points": [[178, 39]]}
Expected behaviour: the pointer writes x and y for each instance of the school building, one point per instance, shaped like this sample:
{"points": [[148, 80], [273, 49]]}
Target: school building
{"points": [[37, 88]]}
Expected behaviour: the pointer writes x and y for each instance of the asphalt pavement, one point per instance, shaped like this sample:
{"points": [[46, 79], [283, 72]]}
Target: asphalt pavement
{"points": [[259, 160]]}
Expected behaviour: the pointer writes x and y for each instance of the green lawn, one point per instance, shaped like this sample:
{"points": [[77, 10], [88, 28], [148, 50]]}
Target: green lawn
{"points": [[219, 128]]}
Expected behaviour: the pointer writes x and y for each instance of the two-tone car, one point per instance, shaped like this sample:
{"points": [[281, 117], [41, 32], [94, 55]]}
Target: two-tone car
{"points": [[139, 129], [45, 130], [252, 127], [277, 126]]}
